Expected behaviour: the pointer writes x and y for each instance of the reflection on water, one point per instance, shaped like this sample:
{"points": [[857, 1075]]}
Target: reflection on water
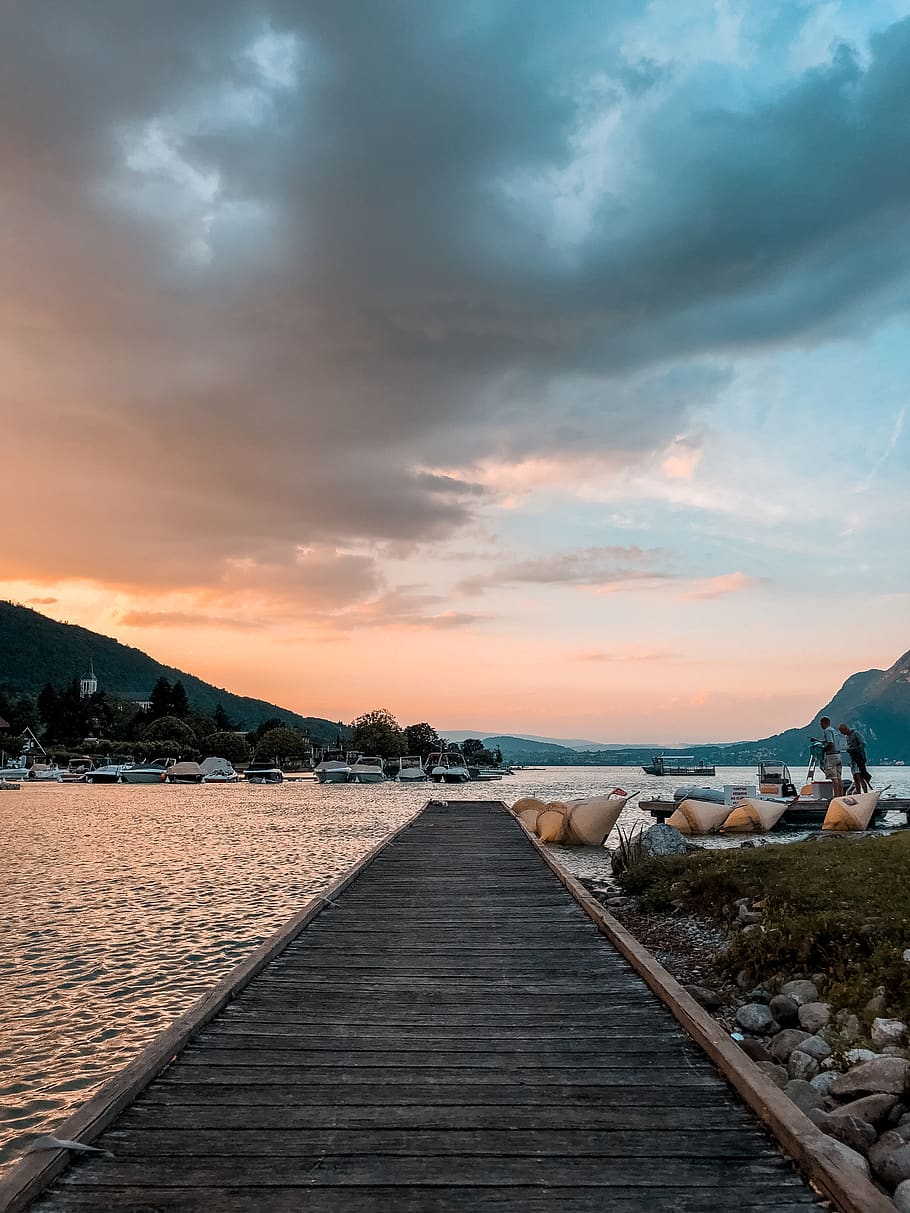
{"points": [[121, 905]]}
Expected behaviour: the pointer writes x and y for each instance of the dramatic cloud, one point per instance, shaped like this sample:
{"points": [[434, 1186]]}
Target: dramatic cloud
{"points": [[264, 264]]}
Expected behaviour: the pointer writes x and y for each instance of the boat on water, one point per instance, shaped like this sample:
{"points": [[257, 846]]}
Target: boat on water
{"points": [[77, 769], [263, 772], [111, 773], [448, 767], [334, 767], [218, 770], [573, 823], [367, 769], [145, 772], [682, 765], [43, 772], [15, 769], [410, 770], [184, 772]]}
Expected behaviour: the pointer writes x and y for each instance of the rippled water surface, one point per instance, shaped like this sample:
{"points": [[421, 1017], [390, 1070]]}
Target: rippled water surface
{"points": [[120, 905]]}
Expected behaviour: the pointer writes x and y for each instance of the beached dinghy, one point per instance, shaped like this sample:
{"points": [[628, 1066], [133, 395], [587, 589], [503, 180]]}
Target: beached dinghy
{"points": [[576, 823], [698, 816], [851, 812], [754, 816]]}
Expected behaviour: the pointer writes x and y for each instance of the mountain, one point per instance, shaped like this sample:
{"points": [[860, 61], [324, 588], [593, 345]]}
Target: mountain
{"points": [[521, 750], [876, 702], [35, 650]]}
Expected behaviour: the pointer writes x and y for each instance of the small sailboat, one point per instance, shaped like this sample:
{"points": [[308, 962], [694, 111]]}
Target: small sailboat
{"points": [[754, 816], [698, 816], [851, 812]]}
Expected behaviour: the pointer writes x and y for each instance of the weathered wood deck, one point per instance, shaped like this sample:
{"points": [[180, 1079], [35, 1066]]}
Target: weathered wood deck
{"points": [[451, 1033]]}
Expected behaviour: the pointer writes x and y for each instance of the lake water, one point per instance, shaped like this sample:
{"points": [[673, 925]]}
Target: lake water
{"points": [[121, 905]]}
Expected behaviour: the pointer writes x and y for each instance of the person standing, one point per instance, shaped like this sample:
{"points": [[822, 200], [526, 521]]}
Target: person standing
{"points": [[856, 749], [831, 763]]}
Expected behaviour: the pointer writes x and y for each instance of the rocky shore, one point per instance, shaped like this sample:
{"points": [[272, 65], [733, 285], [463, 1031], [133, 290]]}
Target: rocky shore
{"points": [[846, 1068]]}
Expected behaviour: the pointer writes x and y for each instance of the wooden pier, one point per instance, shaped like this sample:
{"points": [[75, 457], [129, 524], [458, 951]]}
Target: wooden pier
{"points": [[448, 1031]]}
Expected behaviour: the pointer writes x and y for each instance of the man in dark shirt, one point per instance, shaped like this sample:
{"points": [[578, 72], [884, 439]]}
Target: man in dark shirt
{"points": [[856, 749]]}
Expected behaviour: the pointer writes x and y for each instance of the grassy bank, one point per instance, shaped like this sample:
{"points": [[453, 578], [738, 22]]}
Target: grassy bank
{"points": [[841, 907]]}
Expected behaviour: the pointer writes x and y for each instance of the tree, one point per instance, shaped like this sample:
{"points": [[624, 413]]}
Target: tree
{"points": [[422, 739], [203, 726], [483, 757], [169, 728], [470, 745], [378, 732], [280, 744], [266, 726], [230, 745], [180, 705], [160, 699], [224, 723]]}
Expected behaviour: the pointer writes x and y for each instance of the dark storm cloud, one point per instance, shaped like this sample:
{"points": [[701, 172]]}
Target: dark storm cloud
{"points": [[265, 264]]}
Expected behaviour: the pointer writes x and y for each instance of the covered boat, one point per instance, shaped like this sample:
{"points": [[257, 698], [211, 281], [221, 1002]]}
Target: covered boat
{"points": [[410, 769], [367, 769], [184, 772], [851, 812], [754, 816], [218, 770], [698, 816], [334, 767]]}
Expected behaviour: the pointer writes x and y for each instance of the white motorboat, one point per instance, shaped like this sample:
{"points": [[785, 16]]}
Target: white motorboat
{"points": [[15, 770], [367, 770], [145, 772], [334, 767], [42, 772], [410, 770], [263, 772], [106, 774], [77, 769], [448, 767]]}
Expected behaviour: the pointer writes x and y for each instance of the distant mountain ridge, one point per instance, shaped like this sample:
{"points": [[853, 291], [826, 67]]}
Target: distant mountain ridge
{"points": [[36, 650]]}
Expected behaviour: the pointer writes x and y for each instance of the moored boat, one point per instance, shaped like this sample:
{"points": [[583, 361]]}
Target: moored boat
{"points": [[184, 772], [77, 769], [106, 774], [333, 767], [218, 770], [263, 772], [448, 767], [367, 769], [145, 772], [678, 764], [410, 769]]}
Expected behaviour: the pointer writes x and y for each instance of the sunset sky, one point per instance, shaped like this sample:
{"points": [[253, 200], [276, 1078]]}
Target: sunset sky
{"points": [[521, 366]]}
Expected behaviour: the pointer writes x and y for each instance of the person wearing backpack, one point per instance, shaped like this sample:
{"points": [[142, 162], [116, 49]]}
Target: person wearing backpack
{"points": [[831, 762]]}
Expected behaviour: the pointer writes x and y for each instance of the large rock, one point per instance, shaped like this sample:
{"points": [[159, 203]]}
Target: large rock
{"points": [[662, 839], [822, 1082], [883, 1076], [901, 1197], [890, 1160], [800, 991], [756, 1017], [801, 1065], [853, 1132], [804, 1095], [785, 1042], [854, 1056], [888, 1032], [785, 1010], [813, 1016], [871, 1108], [815, 1046]]}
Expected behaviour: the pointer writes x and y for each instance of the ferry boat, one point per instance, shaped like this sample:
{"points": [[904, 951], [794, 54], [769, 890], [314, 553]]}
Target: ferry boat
{"points": [[678, 764]]}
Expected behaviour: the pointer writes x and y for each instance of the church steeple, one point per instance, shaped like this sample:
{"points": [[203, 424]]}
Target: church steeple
{"points": [[89, 683]]}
